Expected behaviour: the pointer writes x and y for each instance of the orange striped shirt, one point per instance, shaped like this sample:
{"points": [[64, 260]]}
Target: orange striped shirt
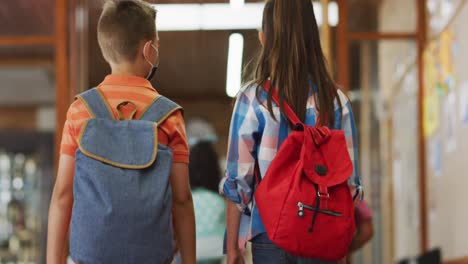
{"points": [[116, 89]]}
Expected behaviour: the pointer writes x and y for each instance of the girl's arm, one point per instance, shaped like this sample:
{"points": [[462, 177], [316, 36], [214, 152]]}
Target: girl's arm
{"points": [[232, 245], [349, 127], [237, 183]]}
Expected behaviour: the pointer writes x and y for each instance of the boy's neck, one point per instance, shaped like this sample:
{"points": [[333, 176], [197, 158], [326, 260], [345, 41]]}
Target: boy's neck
{"points": [[128, 70]]}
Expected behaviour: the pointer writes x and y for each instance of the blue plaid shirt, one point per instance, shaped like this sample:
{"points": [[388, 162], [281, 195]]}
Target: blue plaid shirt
{"points": [[256, 136]]}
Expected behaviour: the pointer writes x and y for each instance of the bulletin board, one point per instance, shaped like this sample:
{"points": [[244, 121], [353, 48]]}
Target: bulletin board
{"points": [[445, 129]]}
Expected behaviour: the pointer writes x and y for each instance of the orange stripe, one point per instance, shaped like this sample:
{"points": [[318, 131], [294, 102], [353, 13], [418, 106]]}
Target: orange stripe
{"points": [[78, 123], [80, 115], [134, 97], [142, 97], [115, 88], [126, 89], [181, 158], [67, 149], [77, 106]]}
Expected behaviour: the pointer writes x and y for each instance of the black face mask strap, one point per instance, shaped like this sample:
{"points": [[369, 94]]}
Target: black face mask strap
{"points": [[152, 73]]}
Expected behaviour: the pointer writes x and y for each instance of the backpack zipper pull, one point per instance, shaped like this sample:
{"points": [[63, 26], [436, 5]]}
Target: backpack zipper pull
{"points": [[300, 213]]}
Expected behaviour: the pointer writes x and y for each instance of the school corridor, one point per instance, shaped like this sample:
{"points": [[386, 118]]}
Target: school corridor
{"points": [[402, 63]]}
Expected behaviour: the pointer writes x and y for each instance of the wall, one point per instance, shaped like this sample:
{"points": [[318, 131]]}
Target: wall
{"points": [[405, 170], [398, 89], [448, 214], [217, 112], [26, 85], [27, 97]]}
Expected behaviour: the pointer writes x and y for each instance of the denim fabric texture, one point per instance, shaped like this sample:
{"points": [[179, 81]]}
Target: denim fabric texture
{"points": [[126, 142], [121, 215], [265, 252], [159, 109]]}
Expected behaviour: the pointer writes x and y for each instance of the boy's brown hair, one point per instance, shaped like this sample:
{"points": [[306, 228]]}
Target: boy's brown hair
{"points": [[122, 26]]}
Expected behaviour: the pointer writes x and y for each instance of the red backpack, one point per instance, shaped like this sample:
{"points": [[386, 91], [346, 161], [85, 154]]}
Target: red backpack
{"points": [[304, 200]]}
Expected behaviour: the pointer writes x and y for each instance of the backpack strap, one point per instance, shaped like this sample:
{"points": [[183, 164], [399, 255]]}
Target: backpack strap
{"points": [[96, 104], [290, 115], [160, 110], [288, 111]]}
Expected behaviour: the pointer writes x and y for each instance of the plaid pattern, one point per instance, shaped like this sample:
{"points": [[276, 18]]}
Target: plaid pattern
{"points": [[256, 136]]}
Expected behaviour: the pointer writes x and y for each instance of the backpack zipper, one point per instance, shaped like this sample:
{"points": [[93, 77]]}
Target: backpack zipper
{"points": [[315, 210], [301, 207]]}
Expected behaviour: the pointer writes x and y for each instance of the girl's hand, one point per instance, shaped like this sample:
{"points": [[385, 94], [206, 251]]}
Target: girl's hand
{"points": [[235, 257]]}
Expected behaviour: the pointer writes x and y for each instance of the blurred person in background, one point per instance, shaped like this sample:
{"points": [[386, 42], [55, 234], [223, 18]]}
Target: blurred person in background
{"points": [[205, 173]]}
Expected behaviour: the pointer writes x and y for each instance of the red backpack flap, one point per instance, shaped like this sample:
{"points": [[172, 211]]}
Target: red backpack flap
{"points": [[325, 155]]}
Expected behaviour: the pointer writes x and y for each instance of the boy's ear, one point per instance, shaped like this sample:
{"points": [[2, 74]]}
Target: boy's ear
{"points": [[146, 49], [261, 37]]}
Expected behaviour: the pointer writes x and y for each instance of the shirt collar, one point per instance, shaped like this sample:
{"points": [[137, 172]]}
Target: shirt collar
{"points": [[127, 80]]}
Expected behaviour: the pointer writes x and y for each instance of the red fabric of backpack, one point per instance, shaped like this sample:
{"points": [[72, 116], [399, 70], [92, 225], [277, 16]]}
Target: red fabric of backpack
{"points": [[304, 200]]}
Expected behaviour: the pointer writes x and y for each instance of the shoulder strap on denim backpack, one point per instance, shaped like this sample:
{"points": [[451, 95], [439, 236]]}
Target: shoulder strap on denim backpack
{"points": [[96, 104], [160, 110]]}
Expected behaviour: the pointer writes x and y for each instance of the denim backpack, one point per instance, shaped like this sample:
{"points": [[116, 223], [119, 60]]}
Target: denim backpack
{"points": [[122, 196]]}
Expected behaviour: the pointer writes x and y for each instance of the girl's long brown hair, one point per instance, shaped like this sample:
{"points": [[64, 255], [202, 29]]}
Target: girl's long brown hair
{"points": [[293, 60]]}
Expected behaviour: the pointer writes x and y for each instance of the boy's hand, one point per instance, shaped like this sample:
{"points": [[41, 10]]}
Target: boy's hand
{"points": [[184, 215], [60, 211]]}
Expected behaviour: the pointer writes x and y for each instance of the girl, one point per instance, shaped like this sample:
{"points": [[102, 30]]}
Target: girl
{"points": [[293, 61]]}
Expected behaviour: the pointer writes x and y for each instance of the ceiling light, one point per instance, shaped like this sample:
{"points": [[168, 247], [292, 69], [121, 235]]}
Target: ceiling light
{"points": [[237, 3], [234, 16], [234, 67]]}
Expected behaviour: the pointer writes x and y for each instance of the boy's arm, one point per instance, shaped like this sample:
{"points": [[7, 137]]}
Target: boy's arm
{"points": [[60, 211], [184, 215]]}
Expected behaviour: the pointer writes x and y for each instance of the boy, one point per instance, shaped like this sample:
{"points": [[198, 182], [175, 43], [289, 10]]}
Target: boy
{"points": [[111, 227]]}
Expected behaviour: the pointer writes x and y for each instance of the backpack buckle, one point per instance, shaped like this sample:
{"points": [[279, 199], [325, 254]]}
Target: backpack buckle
{"points": [[322, 192], [323, 195]]}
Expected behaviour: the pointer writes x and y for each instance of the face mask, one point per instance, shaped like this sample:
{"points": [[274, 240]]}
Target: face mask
{"points": [[152, 73], [153, 67]]}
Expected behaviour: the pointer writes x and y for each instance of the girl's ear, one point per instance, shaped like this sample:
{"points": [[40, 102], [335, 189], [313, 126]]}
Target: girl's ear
{"points": [[261, 37]]}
